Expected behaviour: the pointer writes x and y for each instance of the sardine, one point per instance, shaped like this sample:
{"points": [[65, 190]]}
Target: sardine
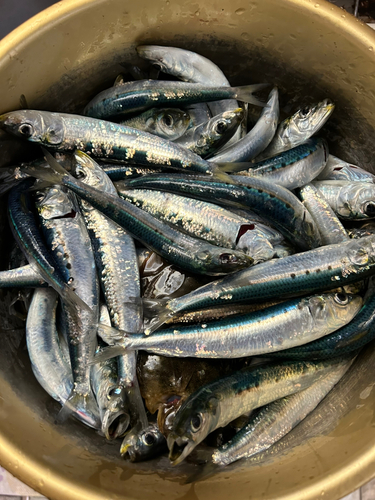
{"points": [[293, 168], [168, 123], [298, 128], [22, 277], [189, 253], [133, 97], [209, 137], [218, 403], [330, 227], [143, 444], [277, 328], [349, 200], [257, 139], [340, 170], [275, 420]]}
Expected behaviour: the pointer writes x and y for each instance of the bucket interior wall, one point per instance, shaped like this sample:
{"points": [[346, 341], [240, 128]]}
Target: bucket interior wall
{"points": [[59, 60]]}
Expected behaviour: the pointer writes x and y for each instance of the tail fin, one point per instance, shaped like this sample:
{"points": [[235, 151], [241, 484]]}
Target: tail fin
{"points": [[235, 167], [111, 336], [82, 407], [245, 93], [109, 352], [155, 313], [219, 175]]}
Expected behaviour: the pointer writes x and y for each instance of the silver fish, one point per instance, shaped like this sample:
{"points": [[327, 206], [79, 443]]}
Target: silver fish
{"points": [[119, 275], [276, 419], [340, 170], [298, 128], [349, 200], [190, 67], [168, 123], [143, 444], [257, 139], [330, 227], [65, 231]]}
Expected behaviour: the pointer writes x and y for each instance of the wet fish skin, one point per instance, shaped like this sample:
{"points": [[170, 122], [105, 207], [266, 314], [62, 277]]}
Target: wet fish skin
{"points": [[138, 96], [168, 123], [349, 200], [65, 232], [117, 265], [318, 269], [274, 203], [47, 362], [257, 139], [341, 170], [143, 444], [190, 254], [101, 139], [275, 420], [292, 168], [22, 277], [330, 227], [218, 403], [298, 128], [279, 327], [207, 138]]}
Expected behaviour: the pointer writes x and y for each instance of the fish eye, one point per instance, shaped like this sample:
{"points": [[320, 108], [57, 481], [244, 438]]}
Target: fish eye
{"points": [[26, 129], [168, 120], [80, 173], [305, 111], [149, 439], [341, 298], [369, 209], [226, 258], [196, 422], [221, 127]]}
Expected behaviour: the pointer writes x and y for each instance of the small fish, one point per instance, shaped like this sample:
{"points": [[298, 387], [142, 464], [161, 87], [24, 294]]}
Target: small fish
{"points": [[279, 327], [257, 139], [143, 444], [218, 403], [339, 170], [293, 168], [171, 244], [330, 227], [207, 138], [349, 200], [298, 128], [21, 277], [134, 97], [276, 419], [167, 123]]}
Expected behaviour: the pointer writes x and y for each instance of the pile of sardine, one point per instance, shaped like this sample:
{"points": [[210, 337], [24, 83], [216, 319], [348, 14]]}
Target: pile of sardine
{"points": [[181, 221]]}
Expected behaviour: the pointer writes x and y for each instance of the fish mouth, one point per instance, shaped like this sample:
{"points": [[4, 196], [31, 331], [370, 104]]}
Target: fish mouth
{"points": [[179, 448], [127, 451], [115, 424]]}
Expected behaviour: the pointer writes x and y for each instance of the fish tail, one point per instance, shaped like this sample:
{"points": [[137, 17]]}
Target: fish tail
{"points": [[53, 175], [111, 336], [245, 93], [234, 167], [81, 406], [109, 352], [136, 406], [155, 313], [220, 175], [72, 300]]}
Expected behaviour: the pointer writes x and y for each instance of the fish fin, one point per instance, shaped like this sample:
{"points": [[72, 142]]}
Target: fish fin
{"points": [[48, 176], [234, 167], [109, 352], [83, 407], [111, 335], [155, 313], [245, 93], [72, 300], [219, 175], [136, 406], [53, 163]]}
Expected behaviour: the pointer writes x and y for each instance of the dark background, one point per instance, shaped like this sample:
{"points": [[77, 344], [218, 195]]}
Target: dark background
{"points": [[15, 12]]}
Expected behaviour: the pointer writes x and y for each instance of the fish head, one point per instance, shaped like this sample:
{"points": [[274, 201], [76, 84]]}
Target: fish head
{"points": [[143, 444], [308, 120], [171, 123], [89, 172], [36, 126], [115, 419], [223, 126], [197, 417], [333, 310], [361, 200], [217, 261], [169, 60], [361, 253], [56, 203]]}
